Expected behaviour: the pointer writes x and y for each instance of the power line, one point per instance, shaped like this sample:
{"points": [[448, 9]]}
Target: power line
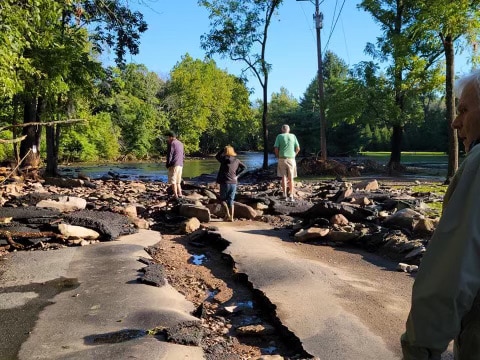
{"points": [[308, 21], [345, 40], [333, 16], [334, 25]]}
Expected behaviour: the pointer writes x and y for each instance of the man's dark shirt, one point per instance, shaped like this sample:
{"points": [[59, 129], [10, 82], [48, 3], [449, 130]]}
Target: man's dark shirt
{"points": [[175, 153]]}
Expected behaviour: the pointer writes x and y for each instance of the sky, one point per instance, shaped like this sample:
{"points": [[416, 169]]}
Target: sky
{"points": [[175, 27]]}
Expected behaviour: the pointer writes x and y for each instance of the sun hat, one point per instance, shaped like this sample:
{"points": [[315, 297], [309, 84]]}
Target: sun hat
{"points": [[229, 151]]}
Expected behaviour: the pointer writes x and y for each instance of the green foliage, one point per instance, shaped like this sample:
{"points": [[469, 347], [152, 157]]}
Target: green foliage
{"points": [[98, 139], [344, 139], [283, 108], [206, 106], [239, 30], [411, 69], [6, 150]]}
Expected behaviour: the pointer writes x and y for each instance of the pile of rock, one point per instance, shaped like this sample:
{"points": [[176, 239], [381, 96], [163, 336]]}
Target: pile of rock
{"points": [[395, 223]]}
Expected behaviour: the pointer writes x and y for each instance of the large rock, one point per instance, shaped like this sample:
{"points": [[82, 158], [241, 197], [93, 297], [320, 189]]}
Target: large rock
{"points": [[64, 203], [327, 209], [110, 225], [311, 234], [194, 196], [200, 212], [190, 225], [244, 211], [77, 232], [216, 209], [341, 237], [366, 185], [64, 182], [283, 207], [403, 219]]}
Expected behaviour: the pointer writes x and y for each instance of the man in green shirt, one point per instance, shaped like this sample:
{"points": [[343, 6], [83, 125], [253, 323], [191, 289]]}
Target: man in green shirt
{"points": [[286, 148]]}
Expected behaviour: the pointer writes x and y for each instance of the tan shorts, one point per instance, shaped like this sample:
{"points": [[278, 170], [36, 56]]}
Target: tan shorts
{"points": [[175, 174], [287, 167]]}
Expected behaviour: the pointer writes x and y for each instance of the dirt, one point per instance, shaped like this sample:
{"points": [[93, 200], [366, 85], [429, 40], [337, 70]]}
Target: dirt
{"points": [[213, 286]]}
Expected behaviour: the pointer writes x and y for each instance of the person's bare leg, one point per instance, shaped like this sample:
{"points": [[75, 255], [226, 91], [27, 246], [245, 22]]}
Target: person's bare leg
{"points": [[227, 212], [179, 190], [232, 208], [284, 186], [174, 190], [291, 187]]}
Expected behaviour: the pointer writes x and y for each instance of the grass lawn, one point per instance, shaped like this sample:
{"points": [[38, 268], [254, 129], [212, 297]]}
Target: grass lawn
{"points": [[408, 156]]}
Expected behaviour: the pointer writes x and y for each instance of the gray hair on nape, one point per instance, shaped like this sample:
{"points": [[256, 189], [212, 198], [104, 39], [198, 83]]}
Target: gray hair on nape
{"points": [[285, 128], [463, 82]]}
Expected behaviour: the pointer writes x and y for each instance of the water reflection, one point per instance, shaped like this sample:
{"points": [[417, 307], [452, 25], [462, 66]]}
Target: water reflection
{"points": [[157, 171]]}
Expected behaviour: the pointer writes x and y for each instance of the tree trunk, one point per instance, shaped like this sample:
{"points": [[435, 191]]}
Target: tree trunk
{"points": [[15, 131], [396, 149], [30, 146], [450, 107], [396, 140], [52, 137], [264, 125]]}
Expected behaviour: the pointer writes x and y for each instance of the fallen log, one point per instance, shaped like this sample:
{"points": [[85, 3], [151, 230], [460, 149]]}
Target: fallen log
{"points": [[9, 236]]}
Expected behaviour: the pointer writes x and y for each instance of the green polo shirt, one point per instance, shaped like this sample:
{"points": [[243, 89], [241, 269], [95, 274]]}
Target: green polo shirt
{"points": [[286, 144]]}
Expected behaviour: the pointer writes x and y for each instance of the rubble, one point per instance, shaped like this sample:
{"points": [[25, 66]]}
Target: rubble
{"points": [[394, 222]]}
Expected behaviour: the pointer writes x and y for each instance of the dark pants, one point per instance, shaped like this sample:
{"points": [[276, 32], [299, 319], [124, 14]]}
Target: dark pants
{"points": [[227, 193]]}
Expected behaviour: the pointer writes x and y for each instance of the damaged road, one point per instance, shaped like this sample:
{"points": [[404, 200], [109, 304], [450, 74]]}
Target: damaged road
{"points": [[87, 303], [335, 313]]}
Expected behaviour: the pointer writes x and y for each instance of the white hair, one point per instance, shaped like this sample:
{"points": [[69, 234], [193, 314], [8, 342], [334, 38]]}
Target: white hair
{"points": [[472, 78], [285, 128]]}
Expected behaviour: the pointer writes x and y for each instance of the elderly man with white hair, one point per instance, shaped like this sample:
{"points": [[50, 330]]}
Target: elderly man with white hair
{"points": [[446, 292]]}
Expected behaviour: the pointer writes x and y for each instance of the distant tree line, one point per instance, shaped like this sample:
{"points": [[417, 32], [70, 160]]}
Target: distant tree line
{"points": [[130, 108]]}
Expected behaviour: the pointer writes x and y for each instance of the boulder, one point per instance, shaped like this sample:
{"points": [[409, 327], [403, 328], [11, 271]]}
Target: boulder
{"points": [[200, 212], [64, 182], [311, 234], [340, 237], [403, 219], [190, 225], [244, 211], [327, 209], [367, 185], [64, 203], [77, 232], [338, 219]]}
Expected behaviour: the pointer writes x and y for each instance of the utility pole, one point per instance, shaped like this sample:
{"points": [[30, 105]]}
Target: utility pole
{"points": [[318, 19]]}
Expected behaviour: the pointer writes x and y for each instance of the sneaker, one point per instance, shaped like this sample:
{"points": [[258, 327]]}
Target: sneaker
{"points": [[292, 199], [284, 196]]}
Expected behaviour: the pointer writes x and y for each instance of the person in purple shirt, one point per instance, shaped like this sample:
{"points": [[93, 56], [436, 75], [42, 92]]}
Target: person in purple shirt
{"points": [[175, 157], [230, 169]]}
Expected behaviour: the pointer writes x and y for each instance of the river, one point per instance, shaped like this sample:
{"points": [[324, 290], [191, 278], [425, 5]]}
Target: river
{"points": [[156, 171]]}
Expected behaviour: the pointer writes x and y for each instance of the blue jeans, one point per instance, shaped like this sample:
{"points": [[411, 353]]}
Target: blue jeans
{"points": [[227, 193]]}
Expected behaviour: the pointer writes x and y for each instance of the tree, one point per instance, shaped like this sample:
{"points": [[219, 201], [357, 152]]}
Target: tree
{"points": [[239, 30], [448, 23], [409, 71], [281, 108], [56, 40], [201, 101], [343, 104], [136, 109]]}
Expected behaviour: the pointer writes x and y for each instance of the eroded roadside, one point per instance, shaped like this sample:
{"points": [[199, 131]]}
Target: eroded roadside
{"points": [[238, 321]]}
